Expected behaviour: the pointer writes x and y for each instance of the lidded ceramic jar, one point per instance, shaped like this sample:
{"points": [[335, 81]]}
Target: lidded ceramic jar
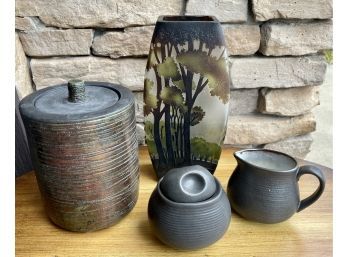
{"points": [[83, 144], [188, 209]]}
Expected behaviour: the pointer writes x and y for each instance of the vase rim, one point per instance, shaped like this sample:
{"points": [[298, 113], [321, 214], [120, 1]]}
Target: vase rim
{"points": [[187, 18]]}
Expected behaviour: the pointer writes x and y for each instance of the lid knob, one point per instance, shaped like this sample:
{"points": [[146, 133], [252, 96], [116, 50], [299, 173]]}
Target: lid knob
{"points": [[76, 89]]}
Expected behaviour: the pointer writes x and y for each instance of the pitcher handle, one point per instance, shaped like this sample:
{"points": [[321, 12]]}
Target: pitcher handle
{"points": [[312, 170]]}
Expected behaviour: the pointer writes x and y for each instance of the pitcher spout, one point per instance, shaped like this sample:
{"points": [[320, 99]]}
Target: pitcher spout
{"points": [[241, 159]]}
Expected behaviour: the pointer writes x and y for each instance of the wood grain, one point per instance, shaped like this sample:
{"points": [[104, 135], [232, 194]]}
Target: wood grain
{"points": [[308, 233]]}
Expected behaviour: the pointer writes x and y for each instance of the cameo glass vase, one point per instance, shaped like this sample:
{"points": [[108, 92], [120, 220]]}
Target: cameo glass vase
{"points": [[186, 93]]}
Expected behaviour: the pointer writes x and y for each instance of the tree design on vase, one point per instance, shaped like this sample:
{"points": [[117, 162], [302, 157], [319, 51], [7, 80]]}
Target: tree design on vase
{"points": [[186, 93]]}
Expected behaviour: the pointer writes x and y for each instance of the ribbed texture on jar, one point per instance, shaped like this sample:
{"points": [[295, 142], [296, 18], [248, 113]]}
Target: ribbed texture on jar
{"points": [[87, 172]]}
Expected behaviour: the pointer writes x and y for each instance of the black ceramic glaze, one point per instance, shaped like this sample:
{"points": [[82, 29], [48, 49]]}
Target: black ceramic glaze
{"points": [[190, 224], [264, 185]]}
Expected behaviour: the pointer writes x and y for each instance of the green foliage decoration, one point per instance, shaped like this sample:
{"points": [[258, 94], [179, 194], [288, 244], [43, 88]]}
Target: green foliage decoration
{"points": [[211, 68], [152, 61], [197, 115], [150, 99], [168, 69], [204, 150], [179, 84], [172, 96]]}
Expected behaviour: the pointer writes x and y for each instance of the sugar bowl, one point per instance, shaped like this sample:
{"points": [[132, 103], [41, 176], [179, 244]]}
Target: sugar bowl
{"points": [[189, 209]]}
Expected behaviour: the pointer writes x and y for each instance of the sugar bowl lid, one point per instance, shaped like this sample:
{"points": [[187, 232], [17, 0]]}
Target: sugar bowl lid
{"points": [[76, 101], [189, 184]]}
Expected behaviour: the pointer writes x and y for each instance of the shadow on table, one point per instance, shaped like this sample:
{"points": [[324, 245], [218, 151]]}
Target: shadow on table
{"points": [[148, 171], [146, 233]]}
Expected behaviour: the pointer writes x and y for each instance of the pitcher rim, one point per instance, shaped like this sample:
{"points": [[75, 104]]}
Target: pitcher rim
{"points": [[271, 151]]}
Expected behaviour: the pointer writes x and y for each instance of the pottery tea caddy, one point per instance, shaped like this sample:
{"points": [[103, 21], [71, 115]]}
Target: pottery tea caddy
{"points": [[83, 144]]}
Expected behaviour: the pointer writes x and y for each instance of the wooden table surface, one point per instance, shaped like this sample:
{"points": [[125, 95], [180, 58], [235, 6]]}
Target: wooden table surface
{"points": [[308, 233]]}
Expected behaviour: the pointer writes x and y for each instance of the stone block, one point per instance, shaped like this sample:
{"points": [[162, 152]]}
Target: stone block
{"points": [[295, 38], [28, 23], [22, 73], [132, 42], [243, 101], [128, 72], [242, 39], [92, 13], [276, 72], [288, 101], [55, 42], [223, 10], [292, 9], [255, 129], [298, 146]]}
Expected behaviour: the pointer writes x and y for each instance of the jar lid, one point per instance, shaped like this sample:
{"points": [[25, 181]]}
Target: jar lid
{"points": [[76, 101]]}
